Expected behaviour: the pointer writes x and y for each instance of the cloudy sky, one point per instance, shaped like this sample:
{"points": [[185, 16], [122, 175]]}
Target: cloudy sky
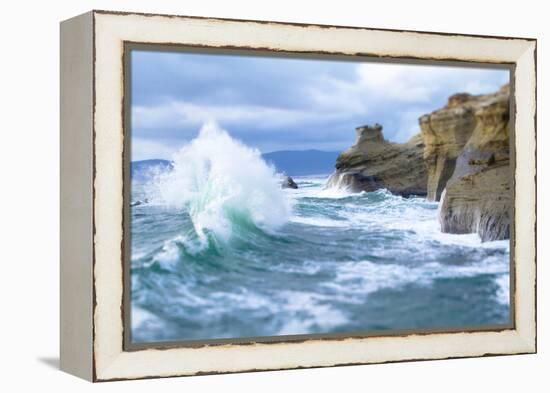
{"points": [[285, 104]]}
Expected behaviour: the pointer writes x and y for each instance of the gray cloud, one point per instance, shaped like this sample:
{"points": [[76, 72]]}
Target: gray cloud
{"points": [[280, 103]]}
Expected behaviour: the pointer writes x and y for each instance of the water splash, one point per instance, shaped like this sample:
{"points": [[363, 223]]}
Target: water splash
{"points": [[224, 187]]}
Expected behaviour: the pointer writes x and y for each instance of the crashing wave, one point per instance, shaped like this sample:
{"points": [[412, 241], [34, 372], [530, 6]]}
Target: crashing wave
{"points": [[224, 186]]}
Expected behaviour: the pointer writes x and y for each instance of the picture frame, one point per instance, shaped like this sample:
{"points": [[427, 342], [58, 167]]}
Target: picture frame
{"points": [[94, 336]]}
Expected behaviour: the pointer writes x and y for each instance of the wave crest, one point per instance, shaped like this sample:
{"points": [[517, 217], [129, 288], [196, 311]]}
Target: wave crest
{"points": [[223, 185]]}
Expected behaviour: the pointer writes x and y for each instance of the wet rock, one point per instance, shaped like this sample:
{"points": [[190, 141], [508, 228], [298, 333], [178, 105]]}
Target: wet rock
{"points": [[288, 182]]}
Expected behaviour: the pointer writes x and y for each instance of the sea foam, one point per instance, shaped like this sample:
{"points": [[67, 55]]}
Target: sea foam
{"points": [[222, 184]]}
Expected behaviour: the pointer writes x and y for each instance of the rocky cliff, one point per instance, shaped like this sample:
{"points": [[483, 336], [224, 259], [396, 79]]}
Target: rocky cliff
{"points": [[445, 132], [461, 158], [477, 195], [373, 163]]}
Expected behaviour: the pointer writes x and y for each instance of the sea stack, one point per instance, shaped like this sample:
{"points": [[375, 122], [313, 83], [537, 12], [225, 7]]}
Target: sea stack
{"points": [[373, 163]]}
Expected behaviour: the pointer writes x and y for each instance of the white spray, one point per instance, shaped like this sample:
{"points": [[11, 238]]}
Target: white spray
{"points": [[218, 180]]}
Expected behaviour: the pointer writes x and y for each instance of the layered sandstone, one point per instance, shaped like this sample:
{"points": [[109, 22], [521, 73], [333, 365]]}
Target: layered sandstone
{"points": [[445, 132], [478, 196]]}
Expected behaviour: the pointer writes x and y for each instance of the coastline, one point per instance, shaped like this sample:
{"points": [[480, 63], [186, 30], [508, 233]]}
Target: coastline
{"points": [[460, 158]]}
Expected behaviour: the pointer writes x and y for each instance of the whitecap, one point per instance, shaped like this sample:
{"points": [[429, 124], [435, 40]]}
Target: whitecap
{"points": [[503, 289], [305, 312], [319, 221], [365, 277], [143, 319]]}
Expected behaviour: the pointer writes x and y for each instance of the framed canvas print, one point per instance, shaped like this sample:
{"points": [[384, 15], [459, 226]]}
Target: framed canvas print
{"points": [[247, 195]]}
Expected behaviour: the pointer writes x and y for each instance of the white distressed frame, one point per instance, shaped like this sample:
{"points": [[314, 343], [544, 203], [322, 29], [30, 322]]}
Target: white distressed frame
{"points": [[109, 361]]}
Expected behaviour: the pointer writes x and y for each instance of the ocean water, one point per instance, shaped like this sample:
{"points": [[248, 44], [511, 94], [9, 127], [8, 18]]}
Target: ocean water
{"points": [[219, 250]]}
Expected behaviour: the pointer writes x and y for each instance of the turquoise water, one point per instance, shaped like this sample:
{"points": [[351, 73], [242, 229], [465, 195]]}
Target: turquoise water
{"points": [[219, 252]]}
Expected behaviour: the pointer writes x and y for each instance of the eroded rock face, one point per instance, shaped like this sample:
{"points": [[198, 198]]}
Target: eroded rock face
{"points": [[445, 132], [373, 163], [478, 196]]}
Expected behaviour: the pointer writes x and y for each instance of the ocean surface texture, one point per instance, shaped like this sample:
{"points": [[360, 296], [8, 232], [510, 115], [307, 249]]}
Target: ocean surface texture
{"points": [[219, 250]]}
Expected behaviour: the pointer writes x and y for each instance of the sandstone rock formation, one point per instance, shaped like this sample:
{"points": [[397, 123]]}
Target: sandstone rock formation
{"points": [[373, 163], [461, 158], [477, 196], [445, 132]]}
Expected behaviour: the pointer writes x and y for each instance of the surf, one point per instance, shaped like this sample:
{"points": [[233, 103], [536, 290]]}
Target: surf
{"points": [[225, 187], [335, 262]]}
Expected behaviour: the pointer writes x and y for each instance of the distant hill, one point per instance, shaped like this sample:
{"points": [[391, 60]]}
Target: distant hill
{"points": [[290, 162], [144, 168], [302, 162]]}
